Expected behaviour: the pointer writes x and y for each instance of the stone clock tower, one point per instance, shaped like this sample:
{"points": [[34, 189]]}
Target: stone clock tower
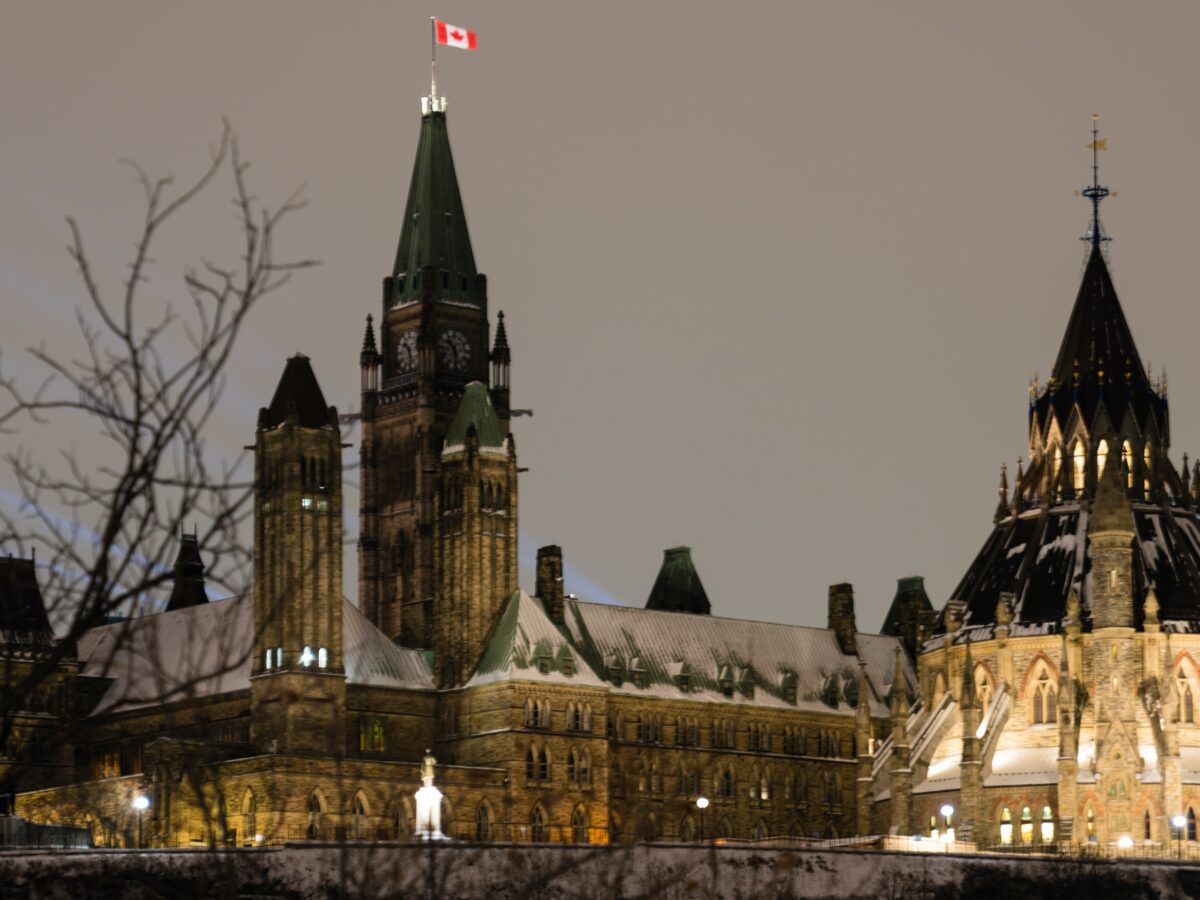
{"points": [[433, 342]]}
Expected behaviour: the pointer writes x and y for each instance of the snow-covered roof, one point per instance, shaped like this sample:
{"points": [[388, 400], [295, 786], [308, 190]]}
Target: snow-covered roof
{"points": [[1022, 766], [527, 646], [650, 651], [205, 650]]}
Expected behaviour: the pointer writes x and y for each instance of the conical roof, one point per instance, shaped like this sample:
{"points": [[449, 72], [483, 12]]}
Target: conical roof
{"points": [[1098, 360], [434, 232], [298, 393], [678, 587], [476, 411]]}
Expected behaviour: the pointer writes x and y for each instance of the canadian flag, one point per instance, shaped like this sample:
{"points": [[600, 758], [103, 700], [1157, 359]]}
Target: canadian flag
{"points": [[453, 36]]}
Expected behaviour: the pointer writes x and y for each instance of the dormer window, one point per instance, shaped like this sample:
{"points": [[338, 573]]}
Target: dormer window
{"points": [[725, 677], [637, 672], [685, 682], [789, 687], [543, 665]]}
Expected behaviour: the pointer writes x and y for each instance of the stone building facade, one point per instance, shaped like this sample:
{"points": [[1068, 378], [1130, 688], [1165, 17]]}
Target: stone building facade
{"points": [[289, 713], [1058, 686]]}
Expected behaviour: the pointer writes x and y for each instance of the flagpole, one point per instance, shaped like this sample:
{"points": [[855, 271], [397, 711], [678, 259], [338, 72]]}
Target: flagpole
{"points": [[433, 61]]}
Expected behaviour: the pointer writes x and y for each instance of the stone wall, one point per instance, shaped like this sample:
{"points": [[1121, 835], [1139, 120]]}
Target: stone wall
{"points": [[580, 873]]}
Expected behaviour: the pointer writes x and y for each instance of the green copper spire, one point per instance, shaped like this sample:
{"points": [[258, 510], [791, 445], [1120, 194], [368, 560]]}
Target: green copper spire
{"points": [[476, 412], [434, 233]]}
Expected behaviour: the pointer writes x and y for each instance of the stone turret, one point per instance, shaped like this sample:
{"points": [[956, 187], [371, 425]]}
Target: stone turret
{"points": [[900, 772]]}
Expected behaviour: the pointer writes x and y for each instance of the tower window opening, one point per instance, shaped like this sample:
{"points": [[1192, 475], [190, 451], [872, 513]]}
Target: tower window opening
{"points": [[1079, 460], [278, 657], [1101, 458], [267, 664], [306, 656], [322, 658], [1127, 462]]}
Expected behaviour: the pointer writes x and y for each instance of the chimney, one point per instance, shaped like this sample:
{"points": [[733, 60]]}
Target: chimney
{"points": [[841, 617], [549, 587]]}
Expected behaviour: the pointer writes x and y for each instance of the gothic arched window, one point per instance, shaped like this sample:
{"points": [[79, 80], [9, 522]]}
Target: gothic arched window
{"points": [[1006, 834], [1048, 825], [544, 765], [1044, 700], [1127, 462], [1079, 466], [1101, 458], [358, 817], [1026, 825], [316, 807], [530, 763], [483, 822], [579, 825], [537, 823], [1191, 824]]}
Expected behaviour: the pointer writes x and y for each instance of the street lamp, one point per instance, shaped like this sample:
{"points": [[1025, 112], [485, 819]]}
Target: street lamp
{"points": [[948, 815], [1180, 822], [140, 803], [702, 805], [1124, 842]]}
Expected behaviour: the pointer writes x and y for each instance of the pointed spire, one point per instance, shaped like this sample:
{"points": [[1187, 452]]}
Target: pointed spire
{"points": [[369, 351], [1002, 508], [1150, 608], [500, 351], [1095, 192], [22, 610], [434, 232], [1111, 511], [1185, 479]]}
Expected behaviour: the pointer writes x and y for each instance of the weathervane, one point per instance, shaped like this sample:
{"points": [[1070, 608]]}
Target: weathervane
{"points": [[1095, 192]]}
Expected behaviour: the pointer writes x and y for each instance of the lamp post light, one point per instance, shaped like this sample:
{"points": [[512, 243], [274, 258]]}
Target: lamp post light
{"points": [[1180, 822], [140, 803], [702, 805], [948, 815]]}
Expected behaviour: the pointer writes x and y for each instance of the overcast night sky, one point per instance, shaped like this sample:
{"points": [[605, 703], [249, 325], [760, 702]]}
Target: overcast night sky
{"points": [[776, 275]]}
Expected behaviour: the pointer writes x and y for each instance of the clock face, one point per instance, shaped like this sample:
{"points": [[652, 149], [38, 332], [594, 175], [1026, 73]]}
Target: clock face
{"points": [[406, 351], [454, 350]]}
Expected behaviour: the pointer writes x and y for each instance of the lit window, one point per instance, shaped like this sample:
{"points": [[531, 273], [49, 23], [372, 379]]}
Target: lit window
{"points": [[1101, 458], [268, 659], [1127, 462], [1080, 460], [322, 658], [1026, 825], [306, 503], [1047, 825], [306, 656], [1006, 826], [278, 657]]}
